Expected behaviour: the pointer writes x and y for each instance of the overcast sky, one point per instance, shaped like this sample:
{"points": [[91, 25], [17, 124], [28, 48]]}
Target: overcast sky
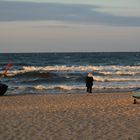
{"points": [[69, 25]]}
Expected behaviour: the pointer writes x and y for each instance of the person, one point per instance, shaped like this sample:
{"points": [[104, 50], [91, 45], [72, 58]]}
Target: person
{"points": [[89, 82]]}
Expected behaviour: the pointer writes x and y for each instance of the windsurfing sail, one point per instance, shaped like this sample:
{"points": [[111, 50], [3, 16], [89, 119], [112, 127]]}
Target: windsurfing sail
{"points": [[6, 70]]}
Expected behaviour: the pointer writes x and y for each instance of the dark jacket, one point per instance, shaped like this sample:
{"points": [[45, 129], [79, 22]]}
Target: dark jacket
{"points": [[89, 81]]}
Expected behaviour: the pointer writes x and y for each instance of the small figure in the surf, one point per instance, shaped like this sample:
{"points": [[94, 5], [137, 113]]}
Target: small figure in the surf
{"points": [[89, 82]]}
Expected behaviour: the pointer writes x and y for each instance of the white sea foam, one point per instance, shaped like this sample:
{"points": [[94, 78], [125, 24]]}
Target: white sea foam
{"points": [[69, 88], [115, 79], [106, 70], [40, 87], [66, 87], [109, 69], [60, 68], [102, 73]]}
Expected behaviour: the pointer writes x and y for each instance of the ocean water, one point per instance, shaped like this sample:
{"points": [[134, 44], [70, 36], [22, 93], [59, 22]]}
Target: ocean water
{"points": [[65, 72]]}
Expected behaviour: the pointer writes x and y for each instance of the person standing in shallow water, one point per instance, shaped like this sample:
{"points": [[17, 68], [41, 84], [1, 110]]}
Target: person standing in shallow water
{"points": [[89, 82]]}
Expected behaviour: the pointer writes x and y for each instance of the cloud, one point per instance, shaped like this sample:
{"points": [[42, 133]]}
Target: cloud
{"points": [[84, 14]]}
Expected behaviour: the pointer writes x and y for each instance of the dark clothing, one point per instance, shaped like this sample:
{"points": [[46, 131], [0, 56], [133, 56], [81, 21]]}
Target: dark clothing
{"points": [[89, 84], [89, 89], [89, 81], [3, 89]]}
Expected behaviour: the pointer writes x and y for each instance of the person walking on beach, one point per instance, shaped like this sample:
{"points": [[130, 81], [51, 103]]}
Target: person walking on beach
{"points": [[89, 82]]}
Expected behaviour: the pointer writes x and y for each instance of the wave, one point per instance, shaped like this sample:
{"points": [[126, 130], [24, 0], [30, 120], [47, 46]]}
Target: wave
{"points": [[97, 70], [77, 73], [115, 79], [68, 88], [34, 74], [53, 78], [44, 89], [121, 73], [82, 68]]}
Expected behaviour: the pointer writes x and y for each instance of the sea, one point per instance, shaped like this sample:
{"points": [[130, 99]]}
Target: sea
{"points": [[42, 73]]}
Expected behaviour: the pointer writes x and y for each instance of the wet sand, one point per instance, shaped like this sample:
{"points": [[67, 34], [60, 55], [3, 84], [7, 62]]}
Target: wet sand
{"points": [[100, 116]]}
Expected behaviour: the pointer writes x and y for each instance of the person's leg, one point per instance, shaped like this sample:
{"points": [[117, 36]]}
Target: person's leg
{"points": [[90, 90], [87, 89]]}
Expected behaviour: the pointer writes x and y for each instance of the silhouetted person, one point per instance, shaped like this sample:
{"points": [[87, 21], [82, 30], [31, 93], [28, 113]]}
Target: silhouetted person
{"points": [[89, 82]]}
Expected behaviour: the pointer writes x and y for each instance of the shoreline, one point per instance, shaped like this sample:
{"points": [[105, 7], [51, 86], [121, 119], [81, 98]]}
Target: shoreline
{"points": [[8, 93], [101, 116]]}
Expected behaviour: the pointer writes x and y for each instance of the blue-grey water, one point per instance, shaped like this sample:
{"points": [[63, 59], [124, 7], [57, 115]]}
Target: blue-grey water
{"points": [[66, 72]]}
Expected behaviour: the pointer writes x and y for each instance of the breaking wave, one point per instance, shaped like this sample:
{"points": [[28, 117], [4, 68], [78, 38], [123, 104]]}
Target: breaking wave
{"points": [[63, 72], [100, 70]]}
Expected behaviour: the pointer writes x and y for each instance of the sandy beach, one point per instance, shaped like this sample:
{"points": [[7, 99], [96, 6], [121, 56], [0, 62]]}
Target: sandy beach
{"points": [[100, 116]]}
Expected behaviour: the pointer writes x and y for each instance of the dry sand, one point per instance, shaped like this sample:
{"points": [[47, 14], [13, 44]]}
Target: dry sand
{"points": [[100, 116]]}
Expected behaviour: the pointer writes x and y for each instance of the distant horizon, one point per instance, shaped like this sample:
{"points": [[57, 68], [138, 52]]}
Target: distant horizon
{"points": [[68, 52]]}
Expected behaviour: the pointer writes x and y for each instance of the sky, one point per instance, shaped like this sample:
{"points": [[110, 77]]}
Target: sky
{"points": [[69, 25]]}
